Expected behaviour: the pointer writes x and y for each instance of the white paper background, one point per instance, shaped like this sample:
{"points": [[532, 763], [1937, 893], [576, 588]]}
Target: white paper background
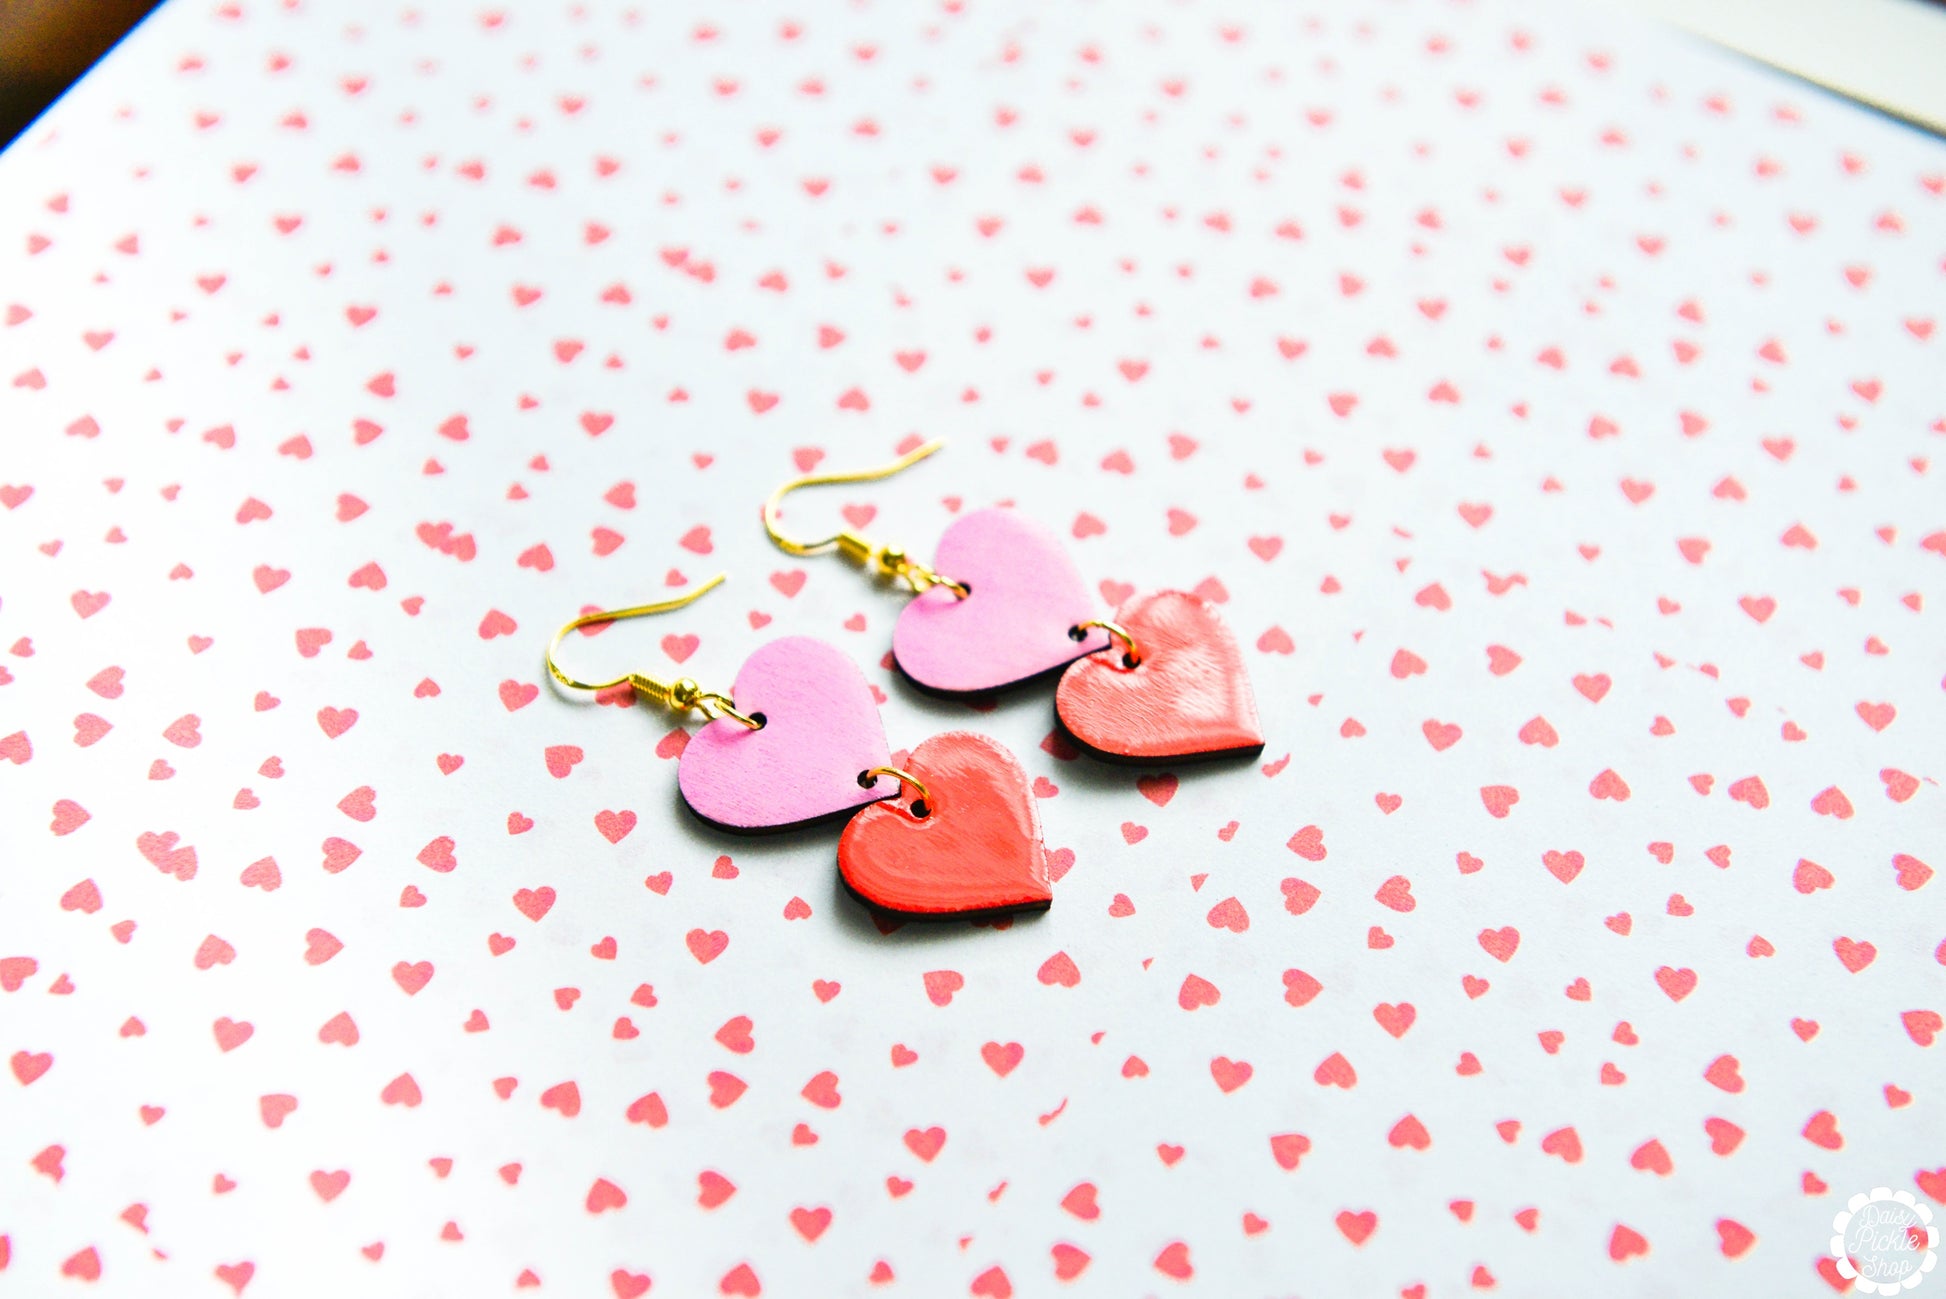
{"points": [[1474, 185]]}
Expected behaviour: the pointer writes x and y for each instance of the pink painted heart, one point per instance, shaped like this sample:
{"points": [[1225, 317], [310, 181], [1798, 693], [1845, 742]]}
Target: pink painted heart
{"points": [[821, 730], [1187, 697], [1024, 595]]}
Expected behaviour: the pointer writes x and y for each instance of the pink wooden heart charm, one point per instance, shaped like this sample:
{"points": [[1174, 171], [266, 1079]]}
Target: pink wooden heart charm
{"points": [[821, 730], [976, 850], [1189, 697], [1025, 595]]}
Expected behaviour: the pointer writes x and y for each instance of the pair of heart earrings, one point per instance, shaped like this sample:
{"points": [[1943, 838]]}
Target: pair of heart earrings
{"points": [[799, 740]]}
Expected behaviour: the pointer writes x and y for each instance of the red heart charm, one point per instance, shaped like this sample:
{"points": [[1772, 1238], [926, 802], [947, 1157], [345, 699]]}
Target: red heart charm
{"points": [[1188, 697], [976, 850]]}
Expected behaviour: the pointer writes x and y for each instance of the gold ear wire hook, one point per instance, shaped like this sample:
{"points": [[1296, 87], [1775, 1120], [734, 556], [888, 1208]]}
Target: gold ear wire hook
{"points": [[681, 695], [889, 560]]}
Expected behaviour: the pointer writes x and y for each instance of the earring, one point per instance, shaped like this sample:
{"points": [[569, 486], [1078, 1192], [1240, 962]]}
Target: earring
{"points": [[1015, 608], [798, 741]]}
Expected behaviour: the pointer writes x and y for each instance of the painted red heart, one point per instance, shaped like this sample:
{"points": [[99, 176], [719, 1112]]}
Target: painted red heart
{"points": [[1188, 696], [977, 850]]}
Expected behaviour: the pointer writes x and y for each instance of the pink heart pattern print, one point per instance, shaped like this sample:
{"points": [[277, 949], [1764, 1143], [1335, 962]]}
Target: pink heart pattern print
{"points": [[1552, 409]]}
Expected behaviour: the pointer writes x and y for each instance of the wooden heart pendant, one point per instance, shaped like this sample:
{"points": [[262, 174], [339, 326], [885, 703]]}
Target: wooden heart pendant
{"points": [[820, 729], [972, 846], [1023, 595], [1188, 697]]}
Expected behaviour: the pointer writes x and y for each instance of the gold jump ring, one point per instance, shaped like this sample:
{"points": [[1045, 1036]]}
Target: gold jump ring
{"points": [[1132, 653], [870, 777]]}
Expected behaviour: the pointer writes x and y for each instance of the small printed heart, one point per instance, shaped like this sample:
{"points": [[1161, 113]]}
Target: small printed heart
{"points": [[28, 1066], [1229, 914], [231, 1034], [563, 1098], [822, 1091], [1723, 1074], [1500, 944], [1676, 984], [1395, 1019], [706, 945], [1651, 1157], [1002, 1058], [1059, 969], [1626, 1243], [211, 953], [336, 721], [1724, 1135], [1564, 1144], [83, 1265], [1822, 1131], [1300, 989], [562, 759], [1563, 866], [16, 970], [1300, 895], [1922, 1026], [534, 903], [1609, 785], [69, 816], [1335, 1071], [1196, 992], [1854, 956], [1441, 735], [1832, 802], [1499, 800], [1396, 893], [1288, 1148], [927, 1143], [1080, 1201], [412, 976], [614, 826], [605, 1195], [1357, 1227]]}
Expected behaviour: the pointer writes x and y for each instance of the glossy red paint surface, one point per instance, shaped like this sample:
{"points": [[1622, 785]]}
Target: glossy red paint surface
{"points": [[1189, 697], [978, 849]]}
